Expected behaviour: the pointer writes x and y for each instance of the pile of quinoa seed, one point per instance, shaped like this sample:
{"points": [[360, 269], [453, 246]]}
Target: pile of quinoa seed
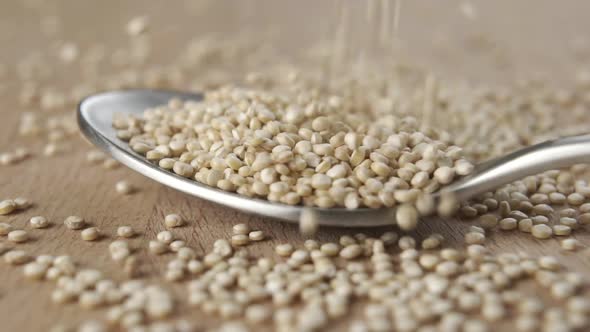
{"points": [[297, 149], [312, 132]]}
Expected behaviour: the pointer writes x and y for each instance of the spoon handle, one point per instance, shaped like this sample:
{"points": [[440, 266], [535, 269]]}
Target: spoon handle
{"points": [[553, 154]]}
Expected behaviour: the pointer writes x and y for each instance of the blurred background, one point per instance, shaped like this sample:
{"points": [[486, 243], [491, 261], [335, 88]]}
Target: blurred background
{"points": [[481, 40]]}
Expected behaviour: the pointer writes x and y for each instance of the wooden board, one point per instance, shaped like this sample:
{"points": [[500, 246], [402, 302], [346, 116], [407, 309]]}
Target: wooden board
{"points": [[66, 184]]}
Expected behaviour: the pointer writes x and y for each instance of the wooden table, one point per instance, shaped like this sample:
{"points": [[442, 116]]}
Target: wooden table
{"points": [[534, 38]]}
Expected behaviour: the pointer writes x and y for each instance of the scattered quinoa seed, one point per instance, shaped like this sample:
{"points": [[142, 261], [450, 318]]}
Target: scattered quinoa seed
{"points": [[124, 188], [7, 207], [125, 231], [18, 236], [90, 234], [39, 222], [173, 220], [74, 222]]}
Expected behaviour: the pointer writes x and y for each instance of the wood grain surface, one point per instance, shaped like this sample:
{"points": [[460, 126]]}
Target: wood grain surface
{"points": [[535, 35]]}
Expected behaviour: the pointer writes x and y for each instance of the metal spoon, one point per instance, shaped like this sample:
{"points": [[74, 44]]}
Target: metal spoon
{"points": [[95, 115]]}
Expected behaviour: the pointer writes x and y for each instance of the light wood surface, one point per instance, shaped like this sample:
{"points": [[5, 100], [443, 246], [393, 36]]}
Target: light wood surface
{"points": [[535, 35]]}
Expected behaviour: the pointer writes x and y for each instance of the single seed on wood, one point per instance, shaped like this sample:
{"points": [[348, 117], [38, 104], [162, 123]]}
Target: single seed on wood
{"points": [[256, 235], [330, 249], [95, 156], [157, 247], [17, 257], [584, 219], [570, 222], [351, 251], [18, 236], [240, 240], [474, 238], [131, 267], [35, 270], [124, 187], [408, 242], [74, 222], [186, 253], [110, 164], [137, 26], [240, 229], [7, 207], [165, 237], [570, 244], [173, 220], [22, 203], [176, 245], [90, 234], [525, 225], [431, 242], [39, 222], [477, 229], [125, 231]]}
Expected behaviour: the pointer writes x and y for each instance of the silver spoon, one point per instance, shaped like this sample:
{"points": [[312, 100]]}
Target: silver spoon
{"points": [[95, 115]]}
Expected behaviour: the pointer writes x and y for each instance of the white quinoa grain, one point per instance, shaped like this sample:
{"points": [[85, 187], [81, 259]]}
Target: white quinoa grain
{"points": [[508, 224], [7, 206], [125, 231], [406, 217], [95, 156], [22, 203], [584, 219], [16, 257], [542, 231], [351, 251], [39, 222], [570, 244], [90, 234], [18, 236], [561, 230], [173, 220], [137, 26], [525, 225], [284, 249], [176, 245], [74, 222], [548, 262], [330, 249], [165, 237], [157, 247], [35, 270], [110, 163], [308, 222], [240, 240], [240, 229], [256, 235], [124, 187], [474, 238]]}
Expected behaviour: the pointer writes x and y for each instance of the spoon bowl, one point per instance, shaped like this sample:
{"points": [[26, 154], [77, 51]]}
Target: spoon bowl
{"points": [[95, 115]]}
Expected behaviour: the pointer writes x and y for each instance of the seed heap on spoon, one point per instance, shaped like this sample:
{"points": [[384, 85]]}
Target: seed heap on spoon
{"points": [[297, 149]]}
